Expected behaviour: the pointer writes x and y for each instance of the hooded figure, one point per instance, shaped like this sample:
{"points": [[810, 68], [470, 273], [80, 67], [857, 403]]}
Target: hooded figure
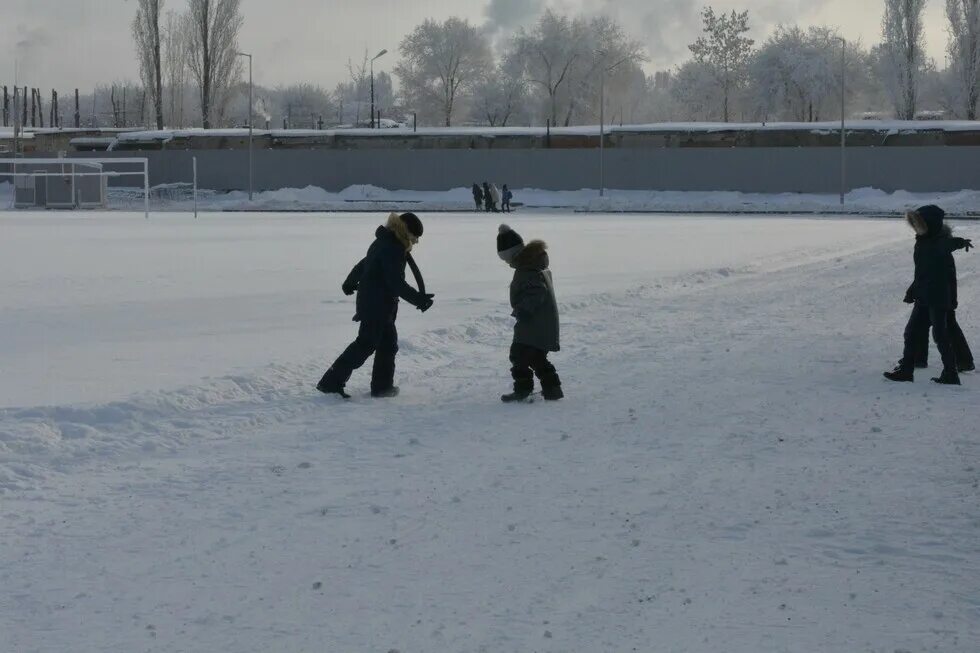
{"points": [[379, 281], [488, 198], [961, 348], [495, 197], [932, 292], [478, 196], [532, 299]]}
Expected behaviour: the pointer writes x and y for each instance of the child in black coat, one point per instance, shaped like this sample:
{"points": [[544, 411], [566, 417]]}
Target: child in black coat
{"points": [[932, 293], [532, 298]]}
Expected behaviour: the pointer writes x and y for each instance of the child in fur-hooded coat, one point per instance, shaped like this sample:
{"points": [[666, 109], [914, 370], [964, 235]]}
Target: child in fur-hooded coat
{"points": [[532, 298]]}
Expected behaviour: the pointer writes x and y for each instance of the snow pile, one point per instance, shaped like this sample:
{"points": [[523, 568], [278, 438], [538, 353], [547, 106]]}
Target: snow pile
{"points": [[884, 126], [372, 198]]}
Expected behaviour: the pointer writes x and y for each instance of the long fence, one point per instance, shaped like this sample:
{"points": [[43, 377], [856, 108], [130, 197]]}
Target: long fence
{"points": [[763, 170]]}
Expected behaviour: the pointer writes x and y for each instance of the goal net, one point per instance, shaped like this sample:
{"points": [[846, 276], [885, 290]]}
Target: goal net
{"points": [[77, 183]]}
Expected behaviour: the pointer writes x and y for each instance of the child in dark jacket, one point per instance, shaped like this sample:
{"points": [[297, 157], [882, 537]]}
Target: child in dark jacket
{"points": [[932, 293], [536, 334]]}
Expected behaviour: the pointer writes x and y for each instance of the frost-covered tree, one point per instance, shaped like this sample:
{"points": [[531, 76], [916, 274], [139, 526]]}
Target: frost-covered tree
{"points": [[559, 57], [796, 74], [964, 54], [724, 50], [695, 88], [552, 55], [174, 41], [440, 63], [213, 44], [146, 34], [903, 61], [501, 95]]}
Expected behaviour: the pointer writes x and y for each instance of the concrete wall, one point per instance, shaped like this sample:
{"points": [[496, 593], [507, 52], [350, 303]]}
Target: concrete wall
{"points": [[767, 170]]}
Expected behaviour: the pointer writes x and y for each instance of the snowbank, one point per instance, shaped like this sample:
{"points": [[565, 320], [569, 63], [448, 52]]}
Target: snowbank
{"points": [[867, 201], [888, 126]]}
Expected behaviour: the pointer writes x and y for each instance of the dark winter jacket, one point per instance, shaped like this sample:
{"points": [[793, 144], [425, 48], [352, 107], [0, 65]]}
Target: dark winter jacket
{"points": [[477, 193], [935, 269], [379, 278], [508, 195], [532, 296]]}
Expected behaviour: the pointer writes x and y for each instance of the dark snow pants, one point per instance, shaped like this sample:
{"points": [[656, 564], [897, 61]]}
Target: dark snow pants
{"points": [[918, 328], [378, 337], [528, 361], [961, 348]]}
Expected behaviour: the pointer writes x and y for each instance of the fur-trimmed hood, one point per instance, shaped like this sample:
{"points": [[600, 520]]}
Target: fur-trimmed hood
{"points": [[927, 222], [398, 227], [534, 256]]}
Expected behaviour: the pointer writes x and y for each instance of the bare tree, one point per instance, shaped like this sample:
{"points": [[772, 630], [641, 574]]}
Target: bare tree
{"points": [[213, 62], [725, 50], [903, 51], [146, 33], [440, 61], [175, 52], [964, 52]]}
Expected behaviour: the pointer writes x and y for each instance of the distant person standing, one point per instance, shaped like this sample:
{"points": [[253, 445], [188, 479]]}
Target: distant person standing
{"points": [[478, 196], [505, 200], [488, 198], [495, 197]]}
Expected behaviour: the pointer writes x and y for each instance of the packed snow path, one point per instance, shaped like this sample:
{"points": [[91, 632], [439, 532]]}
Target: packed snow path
{"points": [[730, 472]]}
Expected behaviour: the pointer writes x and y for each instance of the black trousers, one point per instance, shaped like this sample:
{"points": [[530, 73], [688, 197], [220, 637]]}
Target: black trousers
{"points": [[961, 348], [918, 328], [377, 337], [526, 362]]}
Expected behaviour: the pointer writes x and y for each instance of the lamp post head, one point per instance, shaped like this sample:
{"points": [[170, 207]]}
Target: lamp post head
{"points": [[379, 55]]}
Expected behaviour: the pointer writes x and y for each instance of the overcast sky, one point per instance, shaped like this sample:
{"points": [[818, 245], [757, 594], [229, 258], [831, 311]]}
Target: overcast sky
{"points": [[68, 43]]}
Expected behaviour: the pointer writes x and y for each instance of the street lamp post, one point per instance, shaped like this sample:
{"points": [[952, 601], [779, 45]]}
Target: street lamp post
{"points": [[843, 127], [251, 125], [377, 56], [603, 69]]}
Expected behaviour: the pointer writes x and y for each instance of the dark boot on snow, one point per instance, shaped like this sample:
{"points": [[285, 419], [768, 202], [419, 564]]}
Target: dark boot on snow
{"points": [[551, 387], [522, 391], [552, 393], [948, 377], [385, 394], [967, 367], [900, 375], [329, 386]]}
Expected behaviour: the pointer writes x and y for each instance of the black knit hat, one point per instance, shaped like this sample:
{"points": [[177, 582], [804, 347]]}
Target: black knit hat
{"points": [[413, 223], [509, 243]]}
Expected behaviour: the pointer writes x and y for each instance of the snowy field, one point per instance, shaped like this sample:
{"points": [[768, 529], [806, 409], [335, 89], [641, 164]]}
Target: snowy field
{"points": [[729, 472]]}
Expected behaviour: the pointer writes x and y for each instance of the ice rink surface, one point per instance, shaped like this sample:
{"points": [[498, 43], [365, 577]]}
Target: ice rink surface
{"points": [[729, 471]]}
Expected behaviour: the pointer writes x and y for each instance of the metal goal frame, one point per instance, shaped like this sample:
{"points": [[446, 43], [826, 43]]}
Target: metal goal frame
{"points": [[8, 168]]}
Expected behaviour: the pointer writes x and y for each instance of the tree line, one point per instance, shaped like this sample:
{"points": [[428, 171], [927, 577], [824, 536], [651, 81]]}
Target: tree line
{"points": [[452, 72]]}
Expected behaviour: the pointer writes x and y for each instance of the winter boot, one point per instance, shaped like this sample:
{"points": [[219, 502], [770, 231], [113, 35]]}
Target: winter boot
{"points": [[551, 387], [522, 390], [330, 386], [948, 377], [900, 374], [385, 394], [552, 393], [967, 367]]}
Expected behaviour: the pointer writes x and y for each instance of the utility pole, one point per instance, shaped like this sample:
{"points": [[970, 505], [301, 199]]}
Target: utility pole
{"points": [[843, 126], [250, 126], [376, 57]]}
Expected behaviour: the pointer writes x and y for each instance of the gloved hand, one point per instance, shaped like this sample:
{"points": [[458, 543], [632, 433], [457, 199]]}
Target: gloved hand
{"points": [[969, 244], [349, 289], [426, 302]]}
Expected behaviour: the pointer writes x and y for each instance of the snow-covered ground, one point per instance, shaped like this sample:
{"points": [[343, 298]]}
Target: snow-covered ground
{"points": [[729, 471], [865, 201]]}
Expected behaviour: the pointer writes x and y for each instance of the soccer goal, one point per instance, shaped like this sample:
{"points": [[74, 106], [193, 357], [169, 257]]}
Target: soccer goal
{"points": [[73, 183]]}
